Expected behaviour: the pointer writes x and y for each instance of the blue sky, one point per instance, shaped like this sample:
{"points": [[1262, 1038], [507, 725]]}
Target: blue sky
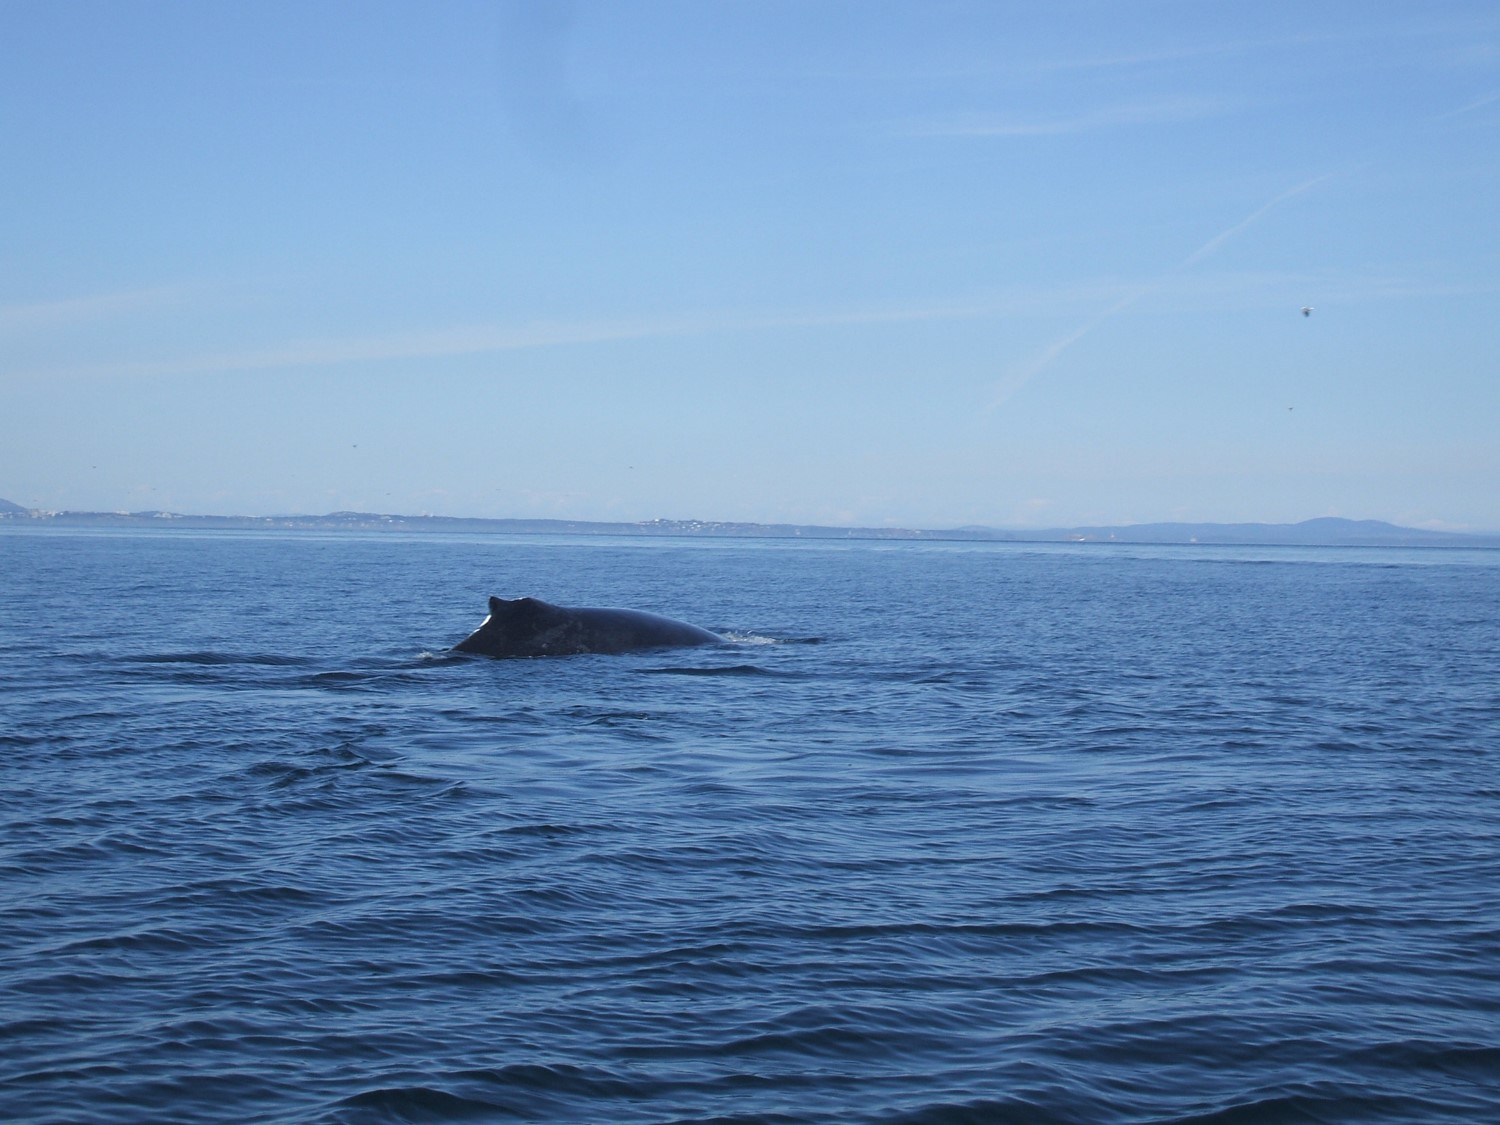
{"points": [[923, 264]]}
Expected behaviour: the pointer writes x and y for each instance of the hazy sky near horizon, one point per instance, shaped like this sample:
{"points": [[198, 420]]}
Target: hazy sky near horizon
{"points": [[924, 263]]}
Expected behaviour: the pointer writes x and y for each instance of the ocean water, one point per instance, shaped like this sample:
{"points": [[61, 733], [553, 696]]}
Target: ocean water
{"points": [[945, 833]]}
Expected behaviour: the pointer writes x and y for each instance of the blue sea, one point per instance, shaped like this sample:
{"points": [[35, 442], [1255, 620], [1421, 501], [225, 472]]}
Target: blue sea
{"points": [[944, 833]]}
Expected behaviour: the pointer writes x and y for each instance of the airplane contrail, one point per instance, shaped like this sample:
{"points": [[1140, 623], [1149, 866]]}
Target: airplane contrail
{"points": [[1219, 239], [1049, 355], [1024, 373]]}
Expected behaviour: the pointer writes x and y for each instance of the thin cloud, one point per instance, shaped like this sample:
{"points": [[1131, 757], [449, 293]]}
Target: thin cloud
{"points": [[1126, 115], [1280, 44], [481, 339], [42, 316], [467, 340], [1028, 63], [1157, 58], [1479, 103], [330, 352]]}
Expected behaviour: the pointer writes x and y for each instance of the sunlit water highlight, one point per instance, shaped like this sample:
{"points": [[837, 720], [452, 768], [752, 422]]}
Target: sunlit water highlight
{"points": [[947, 833]]}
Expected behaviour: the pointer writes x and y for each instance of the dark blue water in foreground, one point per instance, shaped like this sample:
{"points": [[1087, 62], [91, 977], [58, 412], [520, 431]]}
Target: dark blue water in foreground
{"points": [[948, 834]]}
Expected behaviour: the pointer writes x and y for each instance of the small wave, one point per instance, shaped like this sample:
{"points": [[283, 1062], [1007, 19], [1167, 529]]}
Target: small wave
{"points": [[763, 639], [613, 718], [1314, 1106], [419, 1103], [727, 670], [335, 678], [214, 658], [276, 774], [980, 1111], [164, 940], [351, 681], [527, 1090]]}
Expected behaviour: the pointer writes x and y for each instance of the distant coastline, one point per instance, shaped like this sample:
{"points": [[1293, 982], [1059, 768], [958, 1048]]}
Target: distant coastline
{"points": [[1324, 531]]}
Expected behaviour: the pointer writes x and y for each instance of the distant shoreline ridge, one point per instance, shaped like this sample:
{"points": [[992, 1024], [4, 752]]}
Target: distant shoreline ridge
{"points": [[1330, 531]]}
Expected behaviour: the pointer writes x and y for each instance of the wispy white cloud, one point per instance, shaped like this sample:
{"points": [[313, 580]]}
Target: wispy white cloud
{"points": [[42, 316], [1470, 107], [1114, 295], [1027, 62], [1400, 26], [1193, 52], [464, 340], [1158, 111], [480, 339]]}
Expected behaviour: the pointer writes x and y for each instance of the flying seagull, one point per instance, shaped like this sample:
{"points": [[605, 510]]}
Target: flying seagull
{"points": [[1307, 310]]}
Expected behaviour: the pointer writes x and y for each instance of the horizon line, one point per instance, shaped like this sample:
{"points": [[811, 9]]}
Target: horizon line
{"points": [[20, 511]]}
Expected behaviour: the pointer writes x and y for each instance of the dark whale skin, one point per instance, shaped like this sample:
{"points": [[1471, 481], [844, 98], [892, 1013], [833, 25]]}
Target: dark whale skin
{"points": [[531, 627]]}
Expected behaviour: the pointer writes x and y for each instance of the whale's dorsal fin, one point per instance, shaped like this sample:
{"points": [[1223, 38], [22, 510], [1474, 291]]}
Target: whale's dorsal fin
{"points": [[526, 607]]}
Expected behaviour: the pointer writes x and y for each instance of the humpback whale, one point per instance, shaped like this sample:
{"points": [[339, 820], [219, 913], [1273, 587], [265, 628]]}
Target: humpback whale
{"points": [[531, 627]]}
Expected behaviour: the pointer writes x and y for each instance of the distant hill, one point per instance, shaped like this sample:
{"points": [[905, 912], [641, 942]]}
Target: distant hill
{"points": [[1325, 531]]}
